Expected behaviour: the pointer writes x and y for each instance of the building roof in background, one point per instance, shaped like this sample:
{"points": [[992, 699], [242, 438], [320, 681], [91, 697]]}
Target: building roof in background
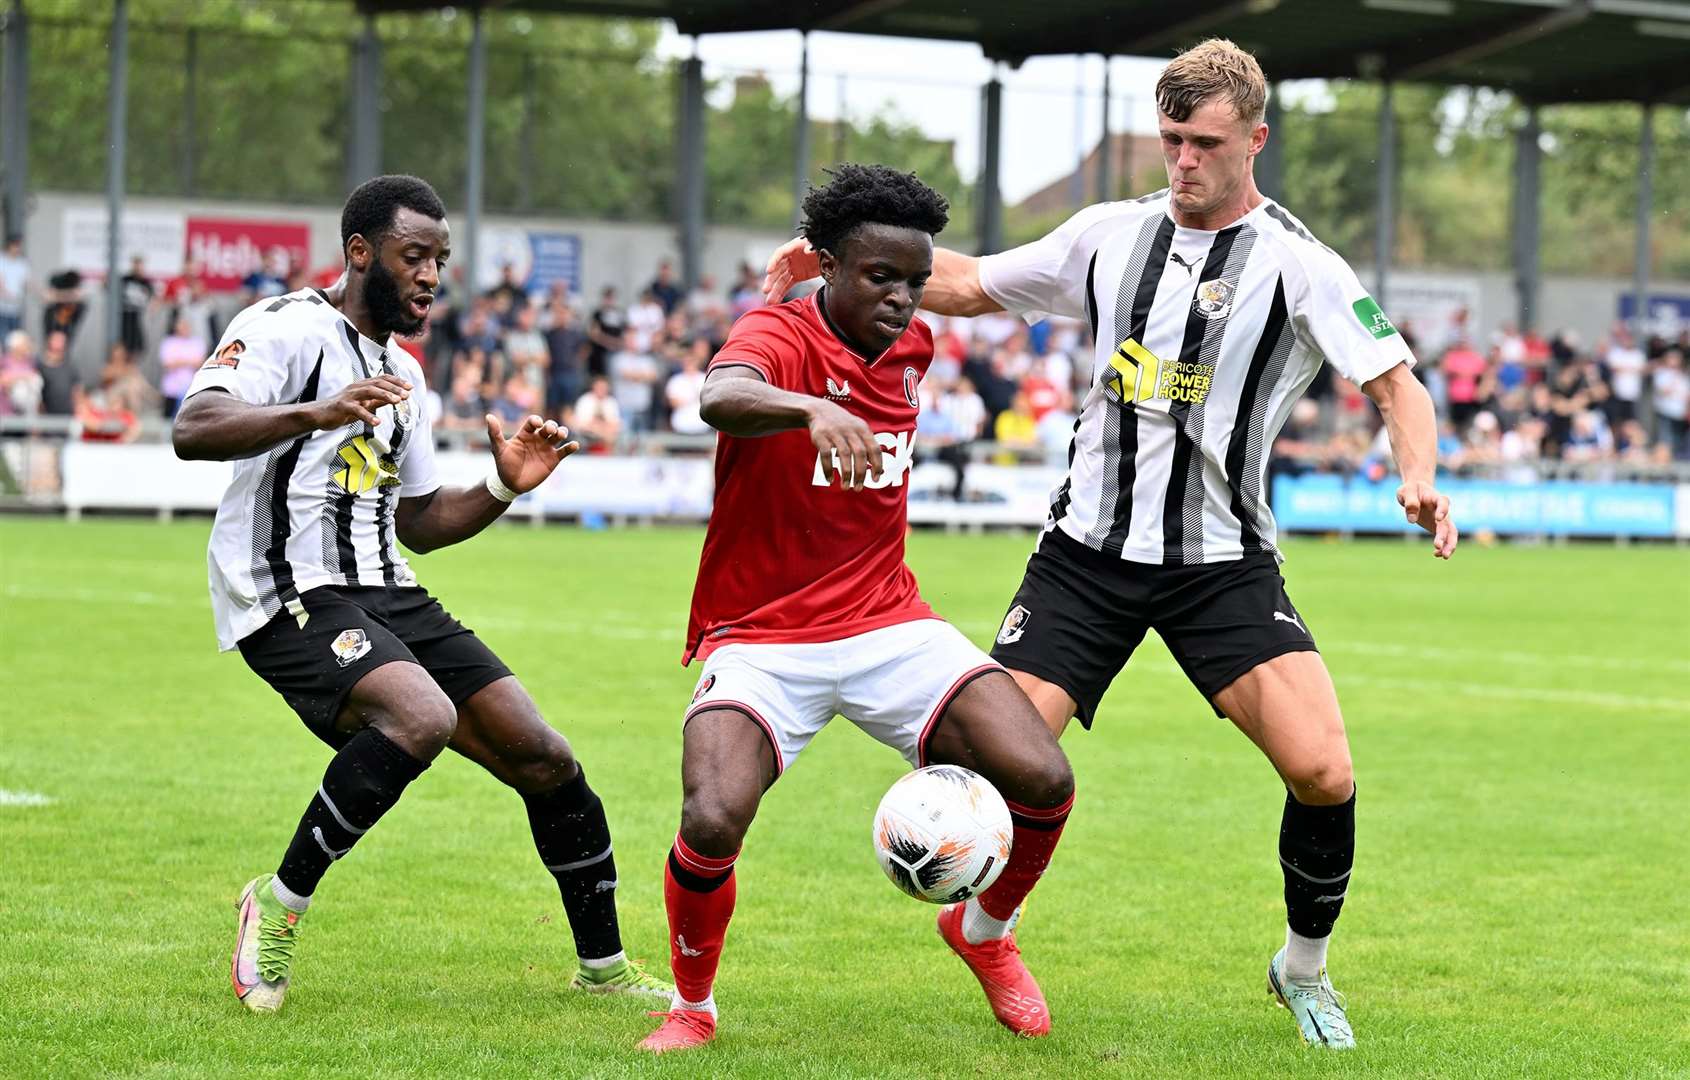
{"points": [[1547, 51]]}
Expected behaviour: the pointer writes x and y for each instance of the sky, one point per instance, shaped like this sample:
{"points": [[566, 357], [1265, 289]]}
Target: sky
{"points": [[1052, 106]]}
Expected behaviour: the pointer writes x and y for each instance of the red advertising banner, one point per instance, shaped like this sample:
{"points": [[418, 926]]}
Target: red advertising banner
{"points": [[229, 249]]}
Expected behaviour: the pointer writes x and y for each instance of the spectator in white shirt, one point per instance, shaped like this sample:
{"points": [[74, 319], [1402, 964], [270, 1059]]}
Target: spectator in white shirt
{"points": [[598, 419], [1626, 364], [645, 321], [14, 285], [1672, 403], [684, 389]]}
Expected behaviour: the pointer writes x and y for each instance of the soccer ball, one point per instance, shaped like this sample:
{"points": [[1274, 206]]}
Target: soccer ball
{"points": [[942, 834]]}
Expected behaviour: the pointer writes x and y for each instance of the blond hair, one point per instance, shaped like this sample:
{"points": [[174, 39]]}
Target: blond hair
{"points": [[1215, 68]]}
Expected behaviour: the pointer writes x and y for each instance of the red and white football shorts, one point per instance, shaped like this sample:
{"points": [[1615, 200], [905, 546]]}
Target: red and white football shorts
{"points": [[894, 683]]}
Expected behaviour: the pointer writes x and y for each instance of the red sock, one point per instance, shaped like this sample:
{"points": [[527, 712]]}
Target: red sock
{"points": [[1035, 837], [699, 893]]}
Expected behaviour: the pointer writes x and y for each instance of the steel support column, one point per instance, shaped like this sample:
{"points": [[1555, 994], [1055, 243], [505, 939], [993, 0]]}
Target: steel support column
{"points": [[801, 132], [1105, 145], [477, 148], [117, 135], [1270, 163], [1527, 215], [364, 157], [991, 195], [14, 119], [1385, 227], [1645, 212], [689, 189], [190, 109]]}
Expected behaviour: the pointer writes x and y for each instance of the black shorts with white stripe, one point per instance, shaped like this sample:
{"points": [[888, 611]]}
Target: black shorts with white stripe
{"points": [[1080, 613], [348, 632]]}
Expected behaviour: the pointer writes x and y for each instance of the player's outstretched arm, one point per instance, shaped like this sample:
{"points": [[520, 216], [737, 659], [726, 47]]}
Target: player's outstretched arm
{"points": [[521, 463], [215, 425], [954, 288], [738, 401], [1412, 426]]}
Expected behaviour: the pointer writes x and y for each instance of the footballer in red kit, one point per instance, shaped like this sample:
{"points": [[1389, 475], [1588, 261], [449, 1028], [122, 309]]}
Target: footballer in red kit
{"points": [[804, 608], [792, 556]]}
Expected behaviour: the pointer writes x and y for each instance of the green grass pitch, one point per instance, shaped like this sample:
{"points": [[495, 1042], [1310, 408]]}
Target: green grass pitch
{"points": [[1521, 905]]}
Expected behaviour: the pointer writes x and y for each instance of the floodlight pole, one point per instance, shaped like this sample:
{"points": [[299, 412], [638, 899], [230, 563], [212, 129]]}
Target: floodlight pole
{"points": [[1077, 182], [1528, 212], [991, 196], [801, 136], [1384, 241], [190, 108], [1105, 145], [690, 150], [364, 160], [117, 133], [1270, 163], [1645, 212], [14, 119], [477, 149]]}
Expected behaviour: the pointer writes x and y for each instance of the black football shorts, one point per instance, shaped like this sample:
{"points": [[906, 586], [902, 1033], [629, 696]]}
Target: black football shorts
{"points": [[348, 632], [1079, 614]]}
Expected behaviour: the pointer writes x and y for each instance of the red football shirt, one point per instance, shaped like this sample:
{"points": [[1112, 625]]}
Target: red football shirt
{"points": [[790, 556]]}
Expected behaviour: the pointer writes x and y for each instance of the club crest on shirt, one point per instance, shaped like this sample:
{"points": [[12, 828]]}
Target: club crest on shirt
{"points": [[1014, 625], [912, 379], [403, 416], [350, 647], [1213, 299], [705, 685]]}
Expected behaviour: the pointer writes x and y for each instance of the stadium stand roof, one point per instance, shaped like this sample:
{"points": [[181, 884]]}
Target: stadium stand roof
{"points": [[1545, 51]]}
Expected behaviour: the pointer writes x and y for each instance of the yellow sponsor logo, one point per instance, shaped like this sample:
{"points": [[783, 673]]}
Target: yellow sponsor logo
{"points": [[1137, 374], [1132, 372], [364, 469]]}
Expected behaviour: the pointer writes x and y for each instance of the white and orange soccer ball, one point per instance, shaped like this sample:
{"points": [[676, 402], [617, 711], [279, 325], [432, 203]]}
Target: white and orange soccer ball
{"points": [[942, 834]]}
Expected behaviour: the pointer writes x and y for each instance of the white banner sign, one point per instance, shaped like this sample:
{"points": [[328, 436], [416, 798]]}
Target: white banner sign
{"points": [[158, 236]]}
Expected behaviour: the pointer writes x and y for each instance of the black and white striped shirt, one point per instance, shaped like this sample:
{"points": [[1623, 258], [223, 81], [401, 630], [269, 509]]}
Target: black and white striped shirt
{"points": [[319, 509], [1204, 342]]}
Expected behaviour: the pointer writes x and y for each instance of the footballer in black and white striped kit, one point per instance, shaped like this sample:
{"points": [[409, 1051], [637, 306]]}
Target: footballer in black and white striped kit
{"points": [[1213, 309], [324, 418]]}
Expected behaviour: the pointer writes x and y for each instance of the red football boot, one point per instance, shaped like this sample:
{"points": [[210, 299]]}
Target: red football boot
{"points": [[682, 1029], [1015, 997]]}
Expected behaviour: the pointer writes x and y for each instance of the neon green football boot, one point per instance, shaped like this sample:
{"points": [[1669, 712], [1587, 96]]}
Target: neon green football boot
{"points": [[628, 977], [1317, 1008], [264, 941]]}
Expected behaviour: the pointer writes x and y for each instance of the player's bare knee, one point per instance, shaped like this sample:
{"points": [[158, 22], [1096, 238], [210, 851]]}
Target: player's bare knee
{"points": [[1052, 781], [1324, 781], [713, 827], [541, 765], [423, 726]]}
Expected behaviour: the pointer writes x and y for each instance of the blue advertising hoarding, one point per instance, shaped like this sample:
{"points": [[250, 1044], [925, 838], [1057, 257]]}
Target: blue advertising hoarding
{"points": [[1561, 508]]}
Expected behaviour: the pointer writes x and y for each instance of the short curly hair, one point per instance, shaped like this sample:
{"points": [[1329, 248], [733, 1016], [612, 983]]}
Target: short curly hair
{"points": [[869, 195], [371, 208]]}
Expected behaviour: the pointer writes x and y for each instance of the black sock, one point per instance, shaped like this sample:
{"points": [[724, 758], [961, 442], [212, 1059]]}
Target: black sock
{"points": [[361, 784], [573, 840], [1317, 847]]}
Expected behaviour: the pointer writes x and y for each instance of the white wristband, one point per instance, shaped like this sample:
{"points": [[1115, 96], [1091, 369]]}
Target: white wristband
{"points": [[497, 489]]}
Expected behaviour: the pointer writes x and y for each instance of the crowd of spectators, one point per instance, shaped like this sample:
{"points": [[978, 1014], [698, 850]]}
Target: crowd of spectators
{"points": [[612, 369]]}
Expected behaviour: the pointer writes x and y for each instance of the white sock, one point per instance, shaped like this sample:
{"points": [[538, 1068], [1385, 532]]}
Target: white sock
{"points": [[977, 926], [707, 1005], [605, 963], [1304, 956], [290, 899]]}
